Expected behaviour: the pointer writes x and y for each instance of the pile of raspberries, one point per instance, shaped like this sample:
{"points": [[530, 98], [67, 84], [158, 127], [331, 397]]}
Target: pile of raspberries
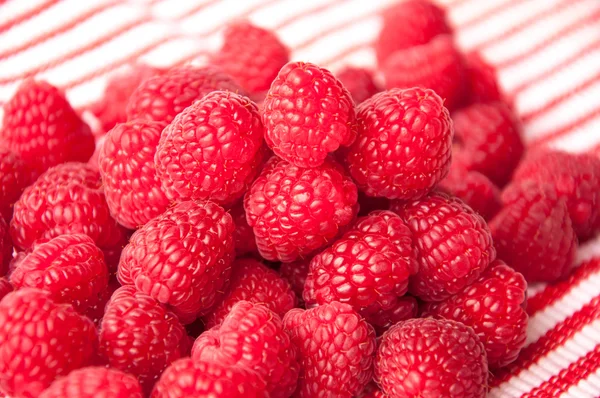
{"points": [[257, 227]]}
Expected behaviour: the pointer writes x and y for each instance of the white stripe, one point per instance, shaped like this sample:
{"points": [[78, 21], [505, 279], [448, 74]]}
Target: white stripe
{"points": [[10, 10], [581, 139]]}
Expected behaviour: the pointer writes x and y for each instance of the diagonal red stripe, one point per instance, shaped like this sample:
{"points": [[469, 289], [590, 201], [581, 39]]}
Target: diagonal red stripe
{"points": [[559, 132], [487, 14], [27, 15]]}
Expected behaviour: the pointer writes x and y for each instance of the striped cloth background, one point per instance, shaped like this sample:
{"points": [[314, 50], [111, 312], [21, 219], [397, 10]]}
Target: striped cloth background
{"points": [[547, 53]]}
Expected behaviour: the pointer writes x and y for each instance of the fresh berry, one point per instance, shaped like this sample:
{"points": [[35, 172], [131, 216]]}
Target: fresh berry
{"points": [[126, 162], [245, 243], [181, 258], [533, 232], [336, 349], [39, 341], [431, 358], [487, 136], [5, 287], [482, 79], [295, 211], [164, 96], [253, 337], [404, 144], [307, 114], [94, 382], [371, 391], [254, 282], [408, 24], [15, 176], [212, 150], [295, 273], [454, 245], [6, 247], [41, 127], [359, 82], [436, 65]]}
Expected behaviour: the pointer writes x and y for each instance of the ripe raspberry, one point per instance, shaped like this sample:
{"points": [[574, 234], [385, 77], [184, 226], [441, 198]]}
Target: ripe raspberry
{"points": [[126, 162], [163, 97], [431, 358], [436, 65], [359, 82], [6, 247], [336, 349], [575, 178], [251, 55], [245, 242], [15, 176], [41, 127], [408, 24], [417, 125], [186, 378], [94, 382], [307, 114], [295, 273], [212, 150], [5, 287], [533, 232], [482, 80], [253, 337], [254, 282], [488, 135], [39, 341], [371, 391], [454, 245], [295, 211], [181, 258]]}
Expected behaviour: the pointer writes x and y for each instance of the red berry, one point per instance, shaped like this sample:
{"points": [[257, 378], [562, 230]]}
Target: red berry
{"points": [[431, 358], [15, 176], [307, 114], [5, 287], [359, 82], [39, 341], [6, 247], [482, 79], [245, 242], [41, 127], [295, 211], [405, 307], [295, 273], [94, 382], [212, 150], [336, 349], [454, 245], [404, 144], [371, 391]]}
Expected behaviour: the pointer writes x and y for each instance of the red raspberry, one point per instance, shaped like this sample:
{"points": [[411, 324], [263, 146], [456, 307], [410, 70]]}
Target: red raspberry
{"points": [[6, 247], [482, 80], [489, 135], [431, 358], [371, 391], [251, 55], [336, 350], [212, 150], [39, 341], [139, 336], [254, 282], [181, 258], [5, 287], [454, 245], [295, 211], [253, 337], [367, 268], [417, 125], [245, 242], [41, 127], [15, 176], [186, 378], [126, 162], [408, 24], [575, 178], [295, 273], [163, 97], [359, 82], [533, 232], [307, 114], [94, 382], [405, 308]]}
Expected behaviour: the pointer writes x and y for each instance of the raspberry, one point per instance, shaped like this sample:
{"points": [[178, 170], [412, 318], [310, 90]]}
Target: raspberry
{"points": [[251, 55], [41, 127], [488, 135], [482, 80], [436, 65], [126, 162], [295, 211], [533, 232], [419, 128], [94, 382], [359, 82], [186, 378], [307, 114], [295, 273], [367, 268], [6, 247], [212, 150], [454, 245], [431, 358], [245, 242], [408, 24], [336, 349], [39, 341], [371, 391], [139, 336], [15, 176], [254, 282], [253, 337], [405, 308], [5, 287], [181, 258], [163, 97], [575, 178]]}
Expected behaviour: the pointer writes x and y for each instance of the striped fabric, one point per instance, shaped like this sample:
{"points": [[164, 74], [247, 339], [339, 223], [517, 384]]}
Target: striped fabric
{"points": [[547, 53]]}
